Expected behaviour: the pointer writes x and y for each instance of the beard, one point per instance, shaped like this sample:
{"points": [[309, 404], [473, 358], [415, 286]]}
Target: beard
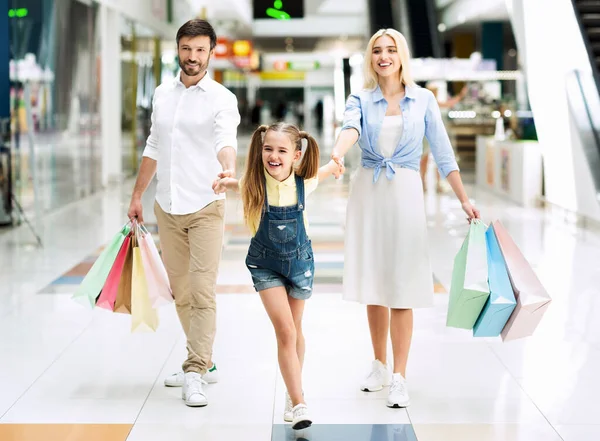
{"points": [[194, 70]]}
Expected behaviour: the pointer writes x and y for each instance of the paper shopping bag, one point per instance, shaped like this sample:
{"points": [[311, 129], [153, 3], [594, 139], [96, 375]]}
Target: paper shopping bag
{"points": [[92, 284], [143, 316], [532, 298], [469, 288], [123, 300], [501, 302], [159, 288], [108, 296]]}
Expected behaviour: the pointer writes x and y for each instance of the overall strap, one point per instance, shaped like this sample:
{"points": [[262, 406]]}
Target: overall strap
{"points": [[266, 209], [300, 191]]}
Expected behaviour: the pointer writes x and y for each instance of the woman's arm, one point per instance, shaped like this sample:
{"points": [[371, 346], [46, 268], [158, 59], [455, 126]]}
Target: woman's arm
{"points": [[351, 129], [345, 141], [456, 183]]}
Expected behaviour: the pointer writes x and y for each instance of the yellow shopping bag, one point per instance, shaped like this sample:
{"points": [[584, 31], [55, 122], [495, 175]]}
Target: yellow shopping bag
{"points": [[143, 316]]}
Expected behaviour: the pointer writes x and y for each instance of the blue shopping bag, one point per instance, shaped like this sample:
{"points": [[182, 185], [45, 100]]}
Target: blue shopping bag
{"points": [[501, 302]]}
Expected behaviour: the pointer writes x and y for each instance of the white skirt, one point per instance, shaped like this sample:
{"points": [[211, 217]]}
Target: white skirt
{"points": [[386, 249]]}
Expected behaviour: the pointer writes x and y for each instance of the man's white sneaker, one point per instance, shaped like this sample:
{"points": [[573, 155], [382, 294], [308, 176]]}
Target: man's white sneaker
{"points": [[176, 380], [379, 377], [193, 390], [288, 414], [301, 418], [212, 375], [398, 395]]}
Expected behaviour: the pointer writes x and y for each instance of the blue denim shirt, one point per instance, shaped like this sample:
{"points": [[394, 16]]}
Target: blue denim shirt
{"points": [[421, 114]]}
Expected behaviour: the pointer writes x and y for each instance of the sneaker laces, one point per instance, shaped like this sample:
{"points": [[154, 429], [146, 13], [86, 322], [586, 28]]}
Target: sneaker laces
{"points": [[375, 374], [300, 410], [288, 403], [398, 386], [195, 386]]}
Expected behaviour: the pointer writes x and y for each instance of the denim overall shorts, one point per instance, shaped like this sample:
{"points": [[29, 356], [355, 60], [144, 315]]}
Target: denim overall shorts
{"points": [[280, 253]]}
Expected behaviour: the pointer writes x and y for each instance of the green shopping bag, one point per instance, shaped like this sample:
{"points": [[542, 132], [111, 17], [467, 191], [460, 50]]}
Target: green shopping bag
{"points": [[469, 290], [92, 284]]}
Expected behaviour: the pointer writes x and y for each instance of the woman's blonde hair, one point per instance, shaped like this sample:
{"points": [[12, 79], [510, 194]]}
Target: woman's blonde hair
{"points": [[370, 75], [253, 188]]}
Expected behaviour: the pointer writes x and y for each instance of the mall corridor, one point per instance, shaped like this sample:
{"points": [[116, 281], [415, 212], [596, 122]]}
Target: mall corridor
{"points": [[72, 373]]}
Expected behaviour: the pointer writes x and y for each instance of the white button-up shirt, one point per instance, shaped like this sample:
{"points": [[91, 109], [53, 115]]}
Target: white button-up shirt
{"points": [[189, 128]]}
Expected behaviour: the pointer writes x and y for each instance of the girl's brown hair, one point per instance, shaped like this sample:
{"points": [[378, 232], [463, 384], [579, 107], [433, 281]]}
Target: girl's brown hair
{"points": [[253, 188]]}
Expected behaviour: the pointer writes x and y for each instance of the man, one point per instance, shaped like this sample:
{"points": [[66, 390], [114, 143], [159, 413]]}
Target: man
{"points": [[192, 139]]}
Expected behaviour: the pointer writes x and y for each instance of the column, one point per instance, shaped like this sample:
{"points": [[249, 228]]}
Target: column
{"points": [[4, 59], [492, 42], [110, 95]]}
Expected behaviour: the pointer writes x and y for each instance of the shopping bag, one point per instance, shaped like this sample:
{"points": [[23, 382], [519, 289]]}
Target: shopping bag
{"points": [[92, 284], [532, 298], [108, 296], [123, 300], [143, 316], [501, 302], [159, 288], [469, 288]]}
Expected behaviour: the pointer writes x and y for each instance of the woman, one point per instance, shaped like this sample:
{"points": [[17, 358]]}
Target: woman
{"points": [[386, 251]]}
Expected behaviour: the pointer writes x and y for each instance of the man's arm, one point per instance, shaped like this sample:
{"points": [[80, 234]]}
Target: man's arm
{"points": [[226, 157], [145, 175]]}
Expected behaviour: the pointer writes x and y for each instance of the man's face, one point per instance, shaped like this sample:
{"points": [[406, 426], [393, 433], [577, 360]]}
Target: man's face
{"points": [[194, 54]]}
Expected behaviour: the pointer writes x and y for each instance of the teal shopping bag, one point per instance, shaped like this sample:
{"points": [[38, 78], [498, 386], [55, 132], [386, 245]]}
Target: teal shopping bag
{"points": [[92, 284], [502, 302], [469, 289]]}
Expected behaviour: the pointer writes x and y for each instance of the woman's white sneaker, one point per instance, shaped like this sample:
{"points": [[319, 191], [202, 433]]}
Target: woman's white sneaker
{"points": [[288, 413], [301, 418], [398, 395], [193, 390], [379, 377]]}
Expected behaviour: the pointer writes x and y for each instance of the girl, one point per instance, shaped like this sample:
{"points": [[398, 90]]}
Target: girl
{"points": [[386, 263], [280, 257]]}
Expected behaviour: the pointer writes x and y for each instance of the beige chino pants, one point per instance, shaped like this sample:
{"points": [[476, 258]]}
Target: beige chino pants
{"points": [[191, 246]]}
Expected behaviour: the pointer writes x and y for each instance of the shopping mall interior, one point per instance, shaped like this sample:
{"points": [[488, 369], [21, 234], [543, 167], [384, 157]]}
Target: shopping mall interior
{"points": [[517, 84]]}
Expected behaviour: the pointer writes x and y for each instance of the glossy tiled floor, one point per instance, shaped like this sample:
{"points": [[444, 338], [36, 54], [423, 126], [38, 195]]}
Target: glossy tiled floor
{"points": [[67, 373]]}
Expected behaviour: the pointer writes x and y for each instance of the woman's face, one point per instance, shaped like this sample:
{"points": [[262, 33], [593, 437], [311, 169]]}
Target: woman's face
{"points": [[384, 57]]}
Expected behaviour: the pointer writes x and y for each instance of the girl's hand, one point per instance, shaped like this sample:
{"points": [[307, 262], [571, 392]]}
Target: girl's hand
{"points": [[339, 160], [220, 185], [339, 169], [472, 212]]}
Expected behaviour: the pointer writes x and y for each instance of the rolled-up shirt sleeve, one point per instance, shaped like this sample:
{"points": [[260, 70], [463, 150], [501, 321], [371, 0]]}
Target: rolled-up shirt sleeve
{"points": [[353, 114], [151, 149], [227, 120], [439, 142]]}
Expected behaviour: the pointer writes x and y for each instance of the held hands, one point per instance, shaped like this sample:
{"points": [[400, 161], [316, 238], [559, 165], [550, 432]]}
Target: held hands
{"points": [[338, 169], [225, 178]]}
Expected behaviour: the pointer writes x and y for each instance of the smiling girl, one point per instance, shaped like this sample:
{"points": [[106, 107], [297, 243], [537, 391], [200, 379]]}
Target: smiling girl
{"points": [[280, 257]]}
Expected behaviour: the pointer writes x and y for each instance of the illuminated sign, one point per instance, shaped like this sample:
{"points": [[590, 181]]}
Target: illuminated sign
{"points": [[278, 9], [18, 13]]}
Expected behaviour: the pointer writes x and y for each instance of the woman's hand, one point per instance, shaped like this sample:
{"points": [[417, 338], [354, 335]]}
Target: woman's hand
{"points": [[471, 211], [339, 160]]}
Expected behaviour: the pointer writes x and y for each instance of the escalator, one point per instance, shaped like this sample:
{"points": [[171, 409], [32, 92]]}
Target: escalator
{"points": [[584, 91]]}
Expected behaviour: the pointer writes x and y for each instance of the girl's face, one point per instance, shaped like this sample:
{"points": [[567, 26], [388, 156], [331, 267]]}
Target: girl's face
{"points": [[279, 154], [384, 57]]}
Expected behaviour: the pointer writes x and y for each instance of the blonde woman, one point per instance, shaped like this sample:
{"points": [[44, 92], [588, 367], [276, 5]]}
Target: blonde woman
{"points": [[387, 263]]}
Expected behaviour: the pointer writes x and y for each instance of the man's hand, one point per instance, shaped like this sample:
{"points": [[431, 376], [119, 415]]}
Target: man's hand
{"points": [[220, 185], [227, 174], [136, 209]]}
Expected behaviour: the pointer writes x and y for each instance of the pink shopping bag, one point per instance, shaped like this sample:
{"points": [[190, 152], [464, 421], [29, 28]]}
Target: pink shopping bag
{"points": [[532, 298], [159, 288], [109, 290]]}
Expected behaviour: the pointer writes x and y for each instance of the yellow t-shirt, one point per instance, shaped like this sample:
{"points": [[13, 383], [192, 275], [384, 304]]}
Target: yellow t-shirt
{"points": [[283, 194]]}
